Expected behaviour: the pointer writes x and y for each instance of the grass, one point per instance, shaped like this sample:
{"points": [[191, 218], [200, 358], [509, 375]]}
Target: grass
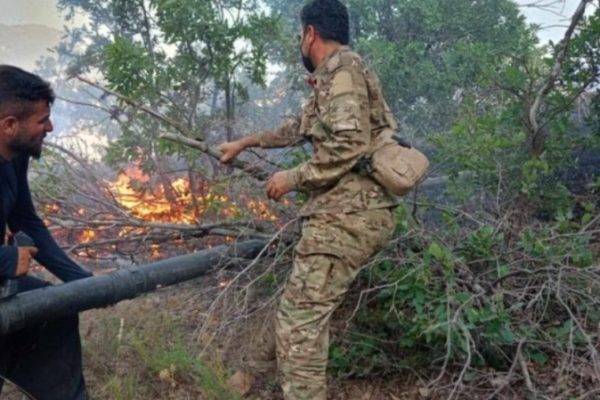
{"points": [[132, 351]]}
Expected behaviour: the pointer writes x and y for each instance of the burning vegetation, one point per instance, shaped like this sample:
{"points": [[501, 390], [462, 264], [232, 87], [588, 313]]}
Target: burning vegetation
{"points": [[177, 202], [153, 216]]}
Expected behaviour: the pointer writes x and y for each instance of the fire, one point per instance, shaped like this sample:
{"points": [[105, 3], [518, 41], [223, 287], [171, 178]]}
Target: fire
{"points": [[162, 200], [155, 251], [225, 283], [262, 210], [176, 203], [51, 208], [153, 204], [88, 236]]}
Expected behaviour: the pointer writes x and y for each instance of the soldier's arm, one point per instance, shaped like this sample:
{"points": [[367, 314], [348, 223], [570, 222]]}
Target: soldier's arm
{"points": [[285, 135], [346, 133]]}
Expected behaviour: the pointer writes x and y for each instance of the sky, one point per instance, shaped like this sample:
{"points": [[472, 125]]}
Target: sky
{"points": [[558, 14], [42, 12]]}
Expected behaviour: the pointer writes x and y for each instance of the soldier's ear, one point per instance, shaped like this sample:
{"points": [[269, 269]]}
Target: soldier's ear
{"points": [[311, 33]]}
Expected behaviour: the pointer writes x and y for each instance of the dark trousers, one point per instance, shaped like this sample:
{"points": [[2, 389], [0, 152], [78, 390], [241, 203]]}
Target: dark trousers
{"points": [[44, 360]]}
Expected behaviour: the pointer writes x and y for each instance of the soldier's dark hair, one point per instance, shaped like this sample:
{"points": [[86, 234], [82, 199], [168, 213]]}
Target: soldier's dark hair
{"points": [[329, 18], [19, 90]]}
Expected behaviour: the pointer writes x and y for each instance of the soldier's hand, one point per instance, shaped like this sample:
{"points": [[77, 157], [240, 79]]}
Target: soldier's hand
{"points": [[230, 150], [277, 186], [26, 253]]}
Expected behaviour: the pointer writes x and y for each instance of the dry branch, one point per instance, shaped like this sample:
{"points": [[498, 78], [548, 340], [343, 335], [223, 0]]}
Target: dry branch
{"points": [[185, 136], [252, 170], [91, 220]]}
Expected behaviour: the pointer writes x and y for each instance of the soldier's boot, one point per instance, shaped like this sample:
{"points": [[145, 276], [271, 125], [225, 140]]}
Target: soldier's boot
{"points": [[259, 362], [262, 358]]}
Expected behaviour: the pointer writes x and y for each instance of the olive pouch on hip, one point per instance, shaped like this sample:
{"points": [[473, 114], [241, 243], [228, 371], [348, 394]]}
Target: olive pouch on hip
{"points": [[394, 164]]}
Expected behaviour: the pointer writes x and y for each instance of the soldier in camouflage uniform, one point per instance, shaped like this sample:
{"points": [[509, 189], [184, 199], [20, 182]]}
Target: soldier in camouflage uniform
{"points": [[348, 217]]}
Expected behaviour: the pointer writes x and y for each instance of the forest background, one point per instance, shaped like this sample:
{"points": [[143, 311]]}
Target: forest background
{"points": [[490, 285]]}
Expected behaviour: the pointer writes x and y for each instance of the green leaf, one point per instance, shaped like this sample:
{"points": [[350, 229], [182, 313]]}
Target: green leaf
{"points": [[538, 357], [437, 251]]}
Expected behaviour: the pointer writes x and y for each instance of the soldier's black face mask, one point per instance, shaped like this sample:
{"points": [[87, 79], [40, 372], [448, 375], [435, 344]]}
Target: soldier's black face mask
{"points": [[308, 64]]}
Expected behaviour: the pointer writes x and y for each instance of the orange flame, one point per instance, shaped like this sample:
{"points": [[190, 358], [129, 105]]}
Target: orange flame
{"points": [[88, 236], [154, 204], [165, 201]]}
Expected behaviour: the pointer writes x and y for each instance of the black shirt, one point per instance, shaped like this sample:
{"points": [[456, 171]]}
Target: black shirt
{"points": [[17, 211]]}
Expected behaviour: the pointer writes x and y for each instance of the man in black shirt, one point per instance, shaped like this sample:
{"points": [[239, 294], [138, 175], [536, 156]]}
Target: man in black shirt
{"points": [[43, 360]]}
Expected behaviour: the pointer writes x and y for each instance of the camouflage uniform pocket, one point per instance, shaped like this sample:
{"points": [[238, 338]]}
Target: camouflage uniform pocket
{"points": [[353, 237]]}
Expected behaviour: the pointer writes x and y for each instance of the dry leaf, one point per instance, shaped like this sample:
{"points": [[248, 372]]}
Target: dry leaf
{"points": [[241, 382], [168, 375]]}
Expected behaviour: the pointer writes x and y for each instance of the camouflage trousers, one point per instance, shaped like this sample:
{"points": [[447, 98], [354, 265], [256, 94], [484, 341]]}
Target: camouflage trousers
{"points": [[328, 257]]}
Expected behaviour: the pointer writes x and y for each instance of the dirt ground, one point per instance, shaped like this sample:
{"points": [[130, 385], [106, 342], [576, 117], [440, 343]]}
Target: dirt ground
{"points": [[185, 308]]}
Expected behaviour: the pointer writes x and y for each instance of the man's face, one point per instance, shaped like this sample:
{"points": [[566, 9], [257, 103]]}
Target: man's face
{"points": [[32, 130], [306, 38]]}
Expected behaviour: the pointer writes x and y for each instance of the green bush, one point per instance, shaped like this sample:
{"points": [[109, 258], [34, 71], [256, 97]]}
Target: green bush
{"points": [[474, 297]]}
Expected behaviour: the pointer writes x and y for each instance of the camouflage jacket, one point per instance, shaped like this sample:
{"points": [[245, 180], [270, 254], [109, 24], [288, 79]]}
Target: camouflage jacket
{"points": [[342, 116]]}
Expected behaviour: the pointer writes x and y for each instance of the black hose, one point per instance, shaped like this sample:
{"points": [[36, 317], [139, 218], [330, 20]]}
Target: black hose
{"points": [[70, 298]]}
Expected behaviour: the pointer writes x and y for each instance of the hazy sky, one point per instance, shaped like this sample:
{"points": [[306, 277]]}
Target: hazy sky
{"points": [[43, 12], [559, 14]]}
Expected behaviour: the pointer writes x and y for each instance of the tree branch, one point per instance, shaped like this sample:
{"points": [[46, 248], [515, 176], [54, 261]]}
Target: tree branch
{"points": [[256, 172], [537, 132], [185, 136]]}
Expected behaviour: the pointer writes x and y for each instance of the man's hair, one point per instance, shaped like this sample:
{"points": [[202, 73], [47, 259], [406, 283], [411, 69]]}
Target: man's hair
{"points": [[329, 18], [19, 90]]}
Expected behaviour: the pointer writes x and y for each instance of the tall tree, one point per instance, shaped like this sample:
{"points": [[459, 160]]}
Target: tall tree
{"points": [[186, 58]]}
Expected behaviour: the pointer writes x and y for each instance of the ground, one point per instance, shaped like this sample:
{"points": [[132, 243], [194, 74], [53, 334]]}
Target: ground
{"points": [[152, 347]]}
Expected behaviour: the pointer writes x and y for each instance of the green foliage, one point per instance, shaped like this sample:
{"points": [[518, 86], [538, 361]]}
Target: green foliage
{"points": [[546, 246], [453, 296], [129, 68], [212, 378], [177, 57], [482, 244], [159, 354], [429, 54], [122, 387], [467, 85], [580, 72], [343, 357], [165, 354], [209, 42], [507, 265]]}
